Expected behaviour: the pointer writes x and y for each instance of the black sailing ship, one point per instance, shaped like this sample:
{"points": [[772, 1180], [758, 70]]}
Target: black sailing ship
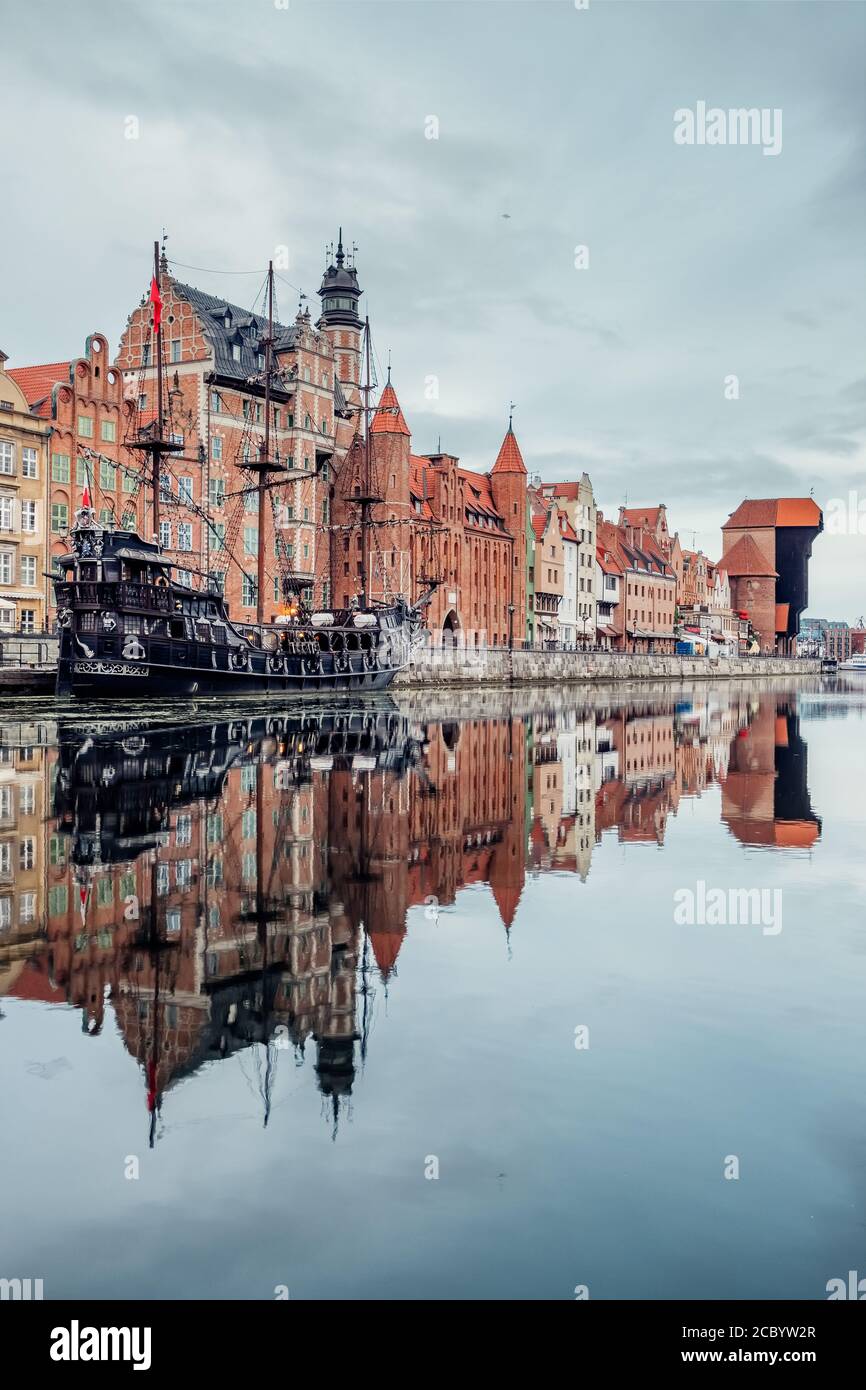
{"points": [[133, 623]]}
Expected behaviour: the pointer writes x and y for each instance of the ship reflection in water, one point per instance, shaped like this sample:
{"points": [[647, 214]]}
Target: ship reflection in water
{"points": [[246, 883]]}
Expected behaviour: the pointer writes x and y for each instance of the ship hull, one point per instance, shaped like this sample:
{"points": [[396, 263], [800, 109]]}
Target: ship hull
{"points": [[99, 679]]}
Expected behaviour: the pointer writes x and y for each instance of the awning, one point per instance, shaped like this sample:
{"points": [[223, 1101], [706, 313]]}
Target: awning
{"points": [[4, 603], [607, 631]]}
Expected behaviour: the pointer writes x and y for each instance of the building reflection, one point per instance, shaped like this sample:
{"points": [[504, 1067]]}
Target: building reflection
{"points": [[248, 885]]}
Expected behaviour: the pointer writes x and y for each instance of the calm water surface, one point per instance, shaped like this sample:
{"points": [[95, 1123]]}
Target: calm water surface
{"points": [[396, 1001]]}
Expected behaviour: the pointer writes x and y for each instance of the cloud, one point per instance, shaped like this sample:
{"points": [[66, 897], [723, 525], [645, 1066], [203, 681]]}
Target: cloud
{"points": [[263, 127]]}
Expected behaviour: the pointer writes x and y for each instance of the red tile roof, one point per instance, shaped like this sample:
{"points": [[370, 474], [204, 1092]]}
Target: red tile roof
{"points": [[418, 472], [641, 516], [388, 417], [745, 557], [507, 897], [509, 459], [566, 529], [477, 494], [37, 383], [775, 511], [569, 492]]}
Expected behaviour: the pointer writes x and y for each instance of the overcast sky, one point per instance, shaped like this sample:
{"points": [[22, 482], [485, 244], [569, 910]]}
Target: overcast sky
{"points": [[262, 126]]}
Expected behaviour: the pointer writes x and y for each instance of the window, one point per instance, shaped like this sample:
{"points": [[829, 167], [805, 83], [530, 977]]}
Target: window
{"points": [[28, 619], [185, 578], [248, 825], [27, 800], [7, 514], [184, 535], [57, 852], [27, 909], [217, 492], [248, 591], [216, 401], [236, 352], [28, 571], [216, 447], [127, 521], [215, 829], [58, 900], [107, 475], [142, 401], [145, 355], [175, 349], [184, 486], [60, 468], [251, 540], [85, 426], [166, 486], [130, 481], [29, 463], [7, 566], [219, 539], [7, 456], [108, 431], [251, 500], [183, 834], [165, 534]]}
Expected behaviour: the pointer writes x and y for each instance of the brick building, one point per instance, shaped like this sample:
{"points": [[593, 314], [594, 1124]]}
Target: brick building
{"points": [[215, 360], [547, 569], [645, 584], [766, 546], [577, 501], [23, 522], [90, 424], [433, 520]]}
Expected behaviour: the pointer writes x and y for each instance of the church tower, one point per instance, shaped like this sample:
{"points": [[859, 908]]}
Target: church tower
{"points": [[340, 293]]}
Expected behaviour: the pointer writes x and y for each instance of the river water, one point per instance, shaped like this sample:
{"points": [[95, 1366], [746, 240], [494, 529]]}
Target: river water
{"points": [[476, 995]]}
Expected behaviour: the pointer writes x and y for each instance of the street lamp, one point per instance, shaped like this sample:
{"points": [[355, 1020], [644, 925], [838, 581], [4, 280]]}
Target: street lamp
{"points": [[510, 626]]}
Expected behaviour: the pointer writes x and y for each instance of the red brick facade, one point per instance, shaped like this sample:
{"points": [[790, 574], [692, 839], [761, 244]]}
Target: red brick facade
{"points": [[436, 521]]}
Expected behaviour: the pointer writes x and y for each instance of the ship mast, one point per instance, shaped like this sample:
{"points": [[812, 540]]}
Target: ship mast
{"points": [[266, 450], [368, 498], [157, 453], [155, 444]]}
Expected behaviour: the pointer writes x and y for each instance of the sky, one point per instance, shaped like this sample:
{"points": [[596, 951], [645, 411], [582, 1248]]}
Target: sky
{"points": [[468, 149]]}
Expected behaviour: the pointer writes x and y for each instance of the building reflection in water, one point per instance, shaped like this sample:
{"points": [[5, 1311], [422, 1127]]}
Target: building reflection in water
{"points": [[246, 885]]}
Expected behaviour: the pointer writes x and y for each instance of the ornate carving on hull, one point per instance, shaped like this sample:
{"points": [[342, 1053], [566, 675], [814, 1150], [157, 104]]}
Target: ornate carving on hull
{"points": [[108, 668]]}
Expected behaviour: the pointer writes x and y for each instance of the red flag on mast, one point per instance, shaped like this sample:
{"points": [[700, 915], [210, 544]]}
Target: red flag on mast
{"points": [[85, 496], [156, 301]]}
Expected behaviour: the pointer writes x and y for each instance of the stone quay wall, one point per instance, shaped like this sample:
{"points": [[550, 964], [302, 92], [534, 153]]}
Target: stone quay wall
{"points": [[498, 666]]}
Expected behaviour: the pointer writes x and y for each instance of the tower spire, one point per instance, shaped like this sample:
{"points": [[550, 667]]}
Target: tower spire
{"points": [[340, 256]]}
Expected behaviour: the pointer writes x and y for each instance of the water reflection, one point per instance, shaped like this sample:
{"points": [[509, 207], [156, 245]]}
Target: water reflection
{"points": [[247, 884]]}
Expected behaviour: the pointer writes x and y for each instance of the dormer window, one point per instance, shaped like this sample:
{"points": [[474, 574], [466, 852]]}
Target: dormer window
{"points": [[227, 321], [236, 352]]}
